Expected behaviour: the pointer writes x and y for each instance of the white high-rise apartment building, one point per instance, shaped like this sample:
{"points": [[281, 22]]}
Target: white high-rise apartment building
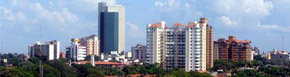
{"points": [[46, 51], [196, 47], [155, 43], [189, 47]]}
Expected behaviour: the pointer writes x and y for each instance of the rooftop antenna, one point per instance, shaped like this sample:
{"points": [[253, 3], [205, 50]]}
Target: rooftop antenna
{"points": [[39, 33]]}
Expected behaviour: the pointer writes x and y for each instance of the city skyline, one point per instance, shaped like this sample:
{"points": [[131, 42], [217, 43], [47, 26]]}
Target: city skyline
{"points": [[58, 20]]}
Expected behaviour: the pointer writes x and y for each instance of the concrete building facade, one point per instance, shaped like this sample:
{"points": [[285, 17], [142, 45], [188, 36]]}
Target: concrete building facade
{"points": [[76, 52], [233, 49], [139, 52], [91, 43], [46, 51], [189, 47]]}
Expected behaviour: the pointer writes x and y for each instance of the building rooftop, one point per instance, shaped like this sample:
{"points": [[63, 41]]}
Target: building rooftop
{"points": [[178, 24], [156, 25]]}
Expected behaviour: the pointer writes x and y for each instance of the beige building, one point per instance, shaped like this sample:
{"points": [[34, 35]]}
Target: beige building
{"points": [[183, 46], [91, 43]]}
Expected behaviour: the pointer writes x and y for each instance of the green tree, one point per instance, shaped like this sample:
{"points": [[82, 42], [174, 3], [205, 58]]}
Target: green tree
{"points": [[250, 73], [64, 69], [83, 69], [178, 73], [197, 74], [88, 58], [13, 72], [49, 71], [129, 70], [92, 72]]}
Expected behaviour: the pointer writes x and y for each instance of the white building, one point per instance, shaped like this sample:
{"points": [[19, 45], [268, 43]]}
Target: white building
{"points": [[196, 47], [115, 56], [46, 51], [128, 55], [189, 47], [156, 49], [76, 51]]}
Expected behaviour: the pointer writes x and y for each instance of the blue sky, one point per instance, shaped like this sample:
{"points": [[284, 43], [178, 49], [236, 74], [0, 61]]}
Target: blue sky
{"points": [[262, 21]]}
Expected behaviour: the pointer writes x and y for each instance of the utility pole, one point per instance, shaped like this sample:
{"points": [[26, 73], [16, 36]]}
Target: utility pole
{"points": [[40, 69]]}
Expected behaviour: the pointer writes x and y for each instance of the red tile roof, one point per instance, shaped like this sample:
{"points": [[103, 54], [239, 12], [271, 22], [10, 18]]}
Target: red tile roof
{"points": [[242, 41], [82, 46], [191, 25], [156, 25], [178, 24], [98, 63]]}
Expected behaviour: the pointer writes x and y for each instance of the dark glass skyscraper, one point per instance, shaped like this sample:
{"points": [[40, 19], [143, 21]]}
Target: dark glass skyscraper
{"points": [[111, 28]]}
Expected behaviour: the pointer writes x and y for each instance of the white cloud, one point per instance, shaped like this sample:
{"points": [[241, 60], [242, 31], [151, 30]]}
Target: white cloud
{"points": [[240, 13], [110, 2], [62, 17], [244, 7], [166, 3], [6, 14], [59, 20], [174, 11], [21, 16], [159, 4], [274, 27], [227, 21], [133, 31]]}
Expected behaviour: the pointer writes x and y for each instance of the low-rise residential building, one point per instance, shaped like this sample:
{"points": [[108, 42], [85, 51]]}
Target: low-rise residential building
{"points": [[115, 56]]}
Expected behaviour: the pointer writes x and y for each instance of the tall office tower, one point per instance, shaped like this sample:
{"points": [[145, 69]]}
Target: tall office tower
{"points": [[233, 49], [139, 52], [91, 43], [180, 46], [46, 51], [111, 28], [76, 51]]}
